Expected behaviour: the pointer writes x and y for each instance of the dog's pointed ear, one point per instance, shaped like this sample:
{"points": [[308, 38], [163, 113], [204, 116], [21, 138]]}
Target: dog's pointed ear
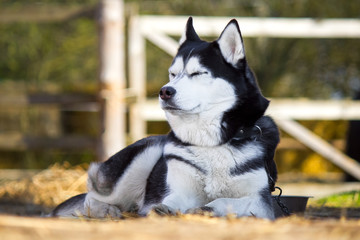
{"points": [[231, 43], [189, 34]]}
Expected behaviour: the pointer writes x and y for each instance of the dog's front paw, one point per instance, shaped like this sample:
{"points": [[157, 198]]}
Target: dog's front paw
{"points": [[163, 210], [113, 212], [205, 211], [97, 209]]}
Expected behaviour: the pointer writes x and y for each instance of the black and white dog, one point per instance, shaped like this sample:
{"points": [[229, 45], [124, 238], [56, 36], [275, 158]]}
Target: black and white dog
{"points": [[218, 156]]}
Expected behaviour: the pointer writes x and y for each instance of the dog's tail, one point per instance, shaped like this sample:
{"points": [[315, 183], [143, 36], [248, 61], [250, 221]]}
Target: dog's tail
{"points": [[122, 180]]}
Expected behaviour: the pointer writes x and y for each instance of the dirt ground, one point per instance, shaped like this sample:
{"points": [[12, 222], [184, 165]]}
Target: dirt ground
{"points": [[24, 221], [184, 227]]}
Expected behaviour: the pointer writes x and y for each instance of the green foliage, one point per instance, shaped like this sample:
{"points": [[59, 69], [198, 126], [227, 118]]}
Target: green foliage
{"points": [[41, 53], [314, 68], [262, 8], [19, 3], [342, 200]]}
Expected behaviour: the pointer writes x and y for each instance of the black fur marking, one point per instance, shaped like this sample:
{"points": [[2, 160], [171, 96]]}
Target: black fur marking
{"points": [[270, 139], [112, 169], [250, 105], [248, 166], [170, 157], [156, 188], [204, 210], [207, 209], [266, 197], [246, 134], [191, 34]]}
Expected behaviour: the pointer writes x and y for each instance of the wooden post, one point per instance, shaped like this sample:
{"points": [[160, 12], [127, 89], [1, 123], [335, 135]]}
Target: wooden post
{"points": [[111, 78], [137, 76]]}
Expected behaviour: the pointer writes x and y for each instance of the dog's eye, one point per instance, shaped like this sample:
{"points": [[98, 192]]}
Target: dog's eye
{"points": [[172, 74], [197, 74]]}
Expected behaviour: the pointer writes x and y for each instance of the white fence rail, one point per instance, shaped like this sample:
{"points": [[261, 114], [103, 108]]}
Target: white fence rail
{"points": [[298, 109], [256, 27]]}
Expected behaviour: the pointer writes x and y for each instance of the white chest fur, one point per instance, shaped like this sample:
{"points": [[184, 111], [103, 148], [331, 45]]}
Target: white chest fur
{"points": [[210, 169]]}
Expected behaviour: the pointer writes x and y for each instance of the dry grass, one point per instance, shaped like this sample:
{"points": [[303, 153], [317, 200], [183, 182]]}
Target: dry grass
{"points": [[49, 187]]}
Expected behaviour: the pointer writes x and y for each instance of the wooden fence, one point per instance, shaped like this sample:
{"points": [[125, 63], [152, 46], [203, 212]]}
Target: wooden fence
{"points": [[69, 102]]}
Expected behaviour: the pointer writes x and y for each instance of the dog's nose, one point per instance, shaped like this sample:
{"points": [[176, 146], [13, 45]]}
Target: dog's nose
{"points": [[167, 93]]}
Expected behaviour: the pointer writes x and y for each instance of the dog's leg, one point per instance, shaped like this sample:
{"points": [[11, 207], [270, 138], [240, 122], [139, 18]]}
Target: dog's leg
{"points": [[179, 200], [97, 209], [256, 206], [184, 187]]}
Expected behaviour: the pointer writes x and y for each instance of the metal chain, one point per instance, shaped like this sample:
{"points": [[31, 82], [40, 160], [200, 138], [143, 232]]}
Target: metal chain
{"points": [[282, 206]]}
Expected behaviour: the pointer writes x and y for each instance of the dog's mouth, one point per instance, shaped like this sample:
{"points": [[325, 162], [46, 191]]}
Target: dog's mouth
{"points": [[170, 108], [174, 108]]}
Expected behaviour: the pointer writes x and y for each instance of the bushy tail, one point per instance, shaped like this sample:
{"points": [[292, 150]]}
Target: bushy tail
{"points": [[128, 188]]}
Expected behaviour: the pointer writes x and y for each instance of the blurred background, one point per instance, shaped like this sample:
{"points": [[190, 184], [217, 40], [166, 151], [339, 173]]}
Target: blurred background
{"points": [[49, 71]]}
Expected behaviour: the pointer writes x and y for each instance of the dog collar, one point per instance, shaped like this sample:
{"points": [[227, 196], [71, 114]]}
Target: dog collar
{"points": [[252, 133]]}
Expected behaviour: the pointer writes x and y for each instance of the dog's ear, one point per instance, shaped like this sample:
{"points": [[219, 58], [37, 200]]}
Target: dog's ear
{"points": [[189, 34], [231, 43]]}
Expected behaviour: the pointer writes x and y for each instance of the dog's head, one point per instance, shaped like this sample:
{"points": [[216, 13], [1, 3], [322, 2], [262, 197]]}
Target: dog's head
{"points": [[211, 88]]}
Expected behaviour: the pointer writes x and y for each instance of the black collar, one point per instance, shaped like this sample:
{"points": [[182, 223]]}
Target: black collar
{"points": [[248, 133]]}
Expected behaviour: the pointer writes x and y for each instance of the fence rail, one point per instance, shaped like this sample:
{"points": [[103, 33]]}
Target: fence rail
{"points": [[298, 109], [22, 100], [20, 142]]}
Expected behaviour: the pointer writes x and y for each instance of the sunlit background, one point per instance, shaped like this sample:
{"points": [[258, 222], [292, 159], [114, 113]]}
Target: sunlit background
{"points": [[50, 48]]}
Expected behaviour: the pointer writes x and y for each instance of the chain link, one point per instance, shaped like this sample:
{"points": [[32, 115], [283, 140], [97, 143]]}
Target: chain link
{"points": [[282, 206]]}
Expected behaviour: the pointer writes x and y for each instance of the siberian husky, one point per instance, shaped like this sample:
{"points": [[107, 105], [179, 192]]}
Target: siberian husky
{"points": [[219, 154]]}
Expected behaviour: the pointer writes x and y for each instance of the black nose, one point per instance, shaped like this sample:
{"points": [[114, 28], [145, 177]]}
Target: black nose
{"points": [[167, 93]]}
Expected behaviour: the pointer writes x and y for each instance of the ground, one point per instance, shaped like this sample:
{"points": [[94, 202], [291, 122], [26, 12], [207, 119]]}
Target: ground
{"points": [[23, 202], [185, 227]]}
